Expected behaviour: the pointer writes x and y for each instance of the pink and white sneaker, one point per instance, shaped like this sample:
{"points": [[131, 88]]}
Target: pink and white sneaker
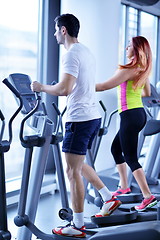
{"points": [[121, 191], [109, 207], [146, 203], [70, 231]]}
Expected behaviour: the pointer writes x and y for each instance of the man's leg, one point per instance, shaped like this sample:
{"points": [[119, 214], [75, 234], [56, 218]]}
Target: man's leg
{"points": [[74, 170], [74, 173], [110, 203], [89, 173]]}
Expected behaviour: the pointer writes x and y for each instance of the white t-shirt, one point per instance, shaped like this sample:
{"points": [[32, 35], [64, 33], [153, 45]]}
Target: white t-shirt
{"points": [[81, 102]]}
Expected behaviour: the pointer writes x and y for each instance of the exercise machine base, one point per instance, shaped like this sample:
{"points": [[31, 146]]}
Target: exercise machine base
{"points": [[148, 231]]}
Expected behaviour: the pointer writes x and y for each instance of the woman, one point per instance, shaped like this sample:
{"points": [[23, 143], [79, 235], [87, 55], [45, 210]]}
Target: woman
{"points": [[133, 83]]}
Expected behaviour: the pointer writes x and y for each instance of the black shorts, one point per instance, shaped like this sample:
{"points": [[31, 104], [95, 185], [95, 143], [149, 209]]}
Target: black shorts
{"points": [[79, 136]]}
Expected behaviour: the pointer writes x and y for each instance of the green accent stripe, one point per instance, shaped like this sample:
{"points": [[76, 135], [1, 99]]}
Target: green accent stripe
{"points": [[133, 97]]}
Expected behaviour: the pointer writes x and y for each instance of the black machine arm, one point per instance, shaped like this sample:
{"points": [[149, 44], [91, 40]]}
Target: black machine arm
{"points": [[104, 129], [7, 83], [3, 125], [16, 93], [1, 116], [60, 115]]}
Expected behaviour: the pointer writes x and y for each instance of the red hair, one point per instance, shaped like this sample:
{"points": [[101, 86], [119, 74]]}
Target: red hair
{"points": [[142, 60]]}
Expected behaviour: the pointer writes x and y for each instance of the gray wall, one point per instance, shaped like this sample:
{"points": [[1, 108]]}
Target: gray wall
{"points": [[100, 24]]}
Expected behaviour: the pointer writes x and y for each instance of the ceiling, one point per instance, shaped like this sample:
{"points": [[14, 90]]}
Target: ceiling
{"points": [[153, 9]]}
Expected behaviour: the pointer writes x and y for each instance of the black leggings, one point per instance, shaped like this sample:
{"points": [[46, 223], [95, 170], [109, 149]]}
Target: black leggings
{"points": [[125, 143]]}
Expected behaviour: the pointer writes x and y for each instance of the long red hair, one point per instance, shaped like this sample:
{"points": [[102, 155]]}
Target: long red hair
{"points": [[142, 60]]}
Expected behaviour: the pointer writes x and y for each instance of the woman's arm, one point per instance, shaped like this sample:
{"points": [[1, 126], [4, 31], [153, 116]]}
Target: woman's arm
{"points": [[146, 92], [120, 76]]}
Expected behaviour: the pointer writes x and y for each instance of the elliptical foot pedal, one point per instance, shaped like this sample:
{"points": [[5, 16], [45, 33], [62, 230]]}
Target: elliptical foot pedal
{"points": [[130, 197], [118, 217]]}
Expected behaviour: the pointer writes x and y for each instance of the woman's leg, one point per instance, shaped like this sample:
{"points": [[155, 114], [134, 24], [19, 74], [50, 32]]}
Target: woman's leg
{"points": [[132, 122], [122, 169], [141, 180], [120, 162]]}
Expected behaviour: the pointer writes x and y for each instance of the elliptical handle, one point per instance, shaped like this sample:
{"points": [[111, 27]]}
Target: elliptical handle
{"points": [[102, 105], [105, 113], [64, 110], [2, 116], [7, 83], [17, 94], [3, 125], [56, 108]]}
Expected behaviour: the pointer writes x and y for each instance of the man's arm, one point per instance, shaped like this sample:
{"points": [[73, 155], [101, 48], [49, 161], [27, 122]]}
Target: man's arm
{"points": [[62, 88]]}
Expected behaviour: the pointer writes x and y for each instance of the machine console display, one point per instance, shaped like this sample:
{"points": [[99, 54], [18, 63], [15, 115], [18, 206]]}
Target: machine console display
{"points": [[22, 83]]}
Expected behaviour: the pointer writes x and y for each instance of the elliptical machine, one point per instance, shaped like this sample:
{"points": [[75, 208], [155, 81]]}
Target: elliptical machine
{"points": [[4, 147], [26, 213], [34, 165], [33, 170]]}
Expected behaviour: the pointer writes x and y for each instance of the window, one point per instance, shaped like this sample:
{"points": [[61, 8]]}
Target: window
{"points": [[18, 54], [148, 28], [136, 22], [132, 22], [122, 43]]}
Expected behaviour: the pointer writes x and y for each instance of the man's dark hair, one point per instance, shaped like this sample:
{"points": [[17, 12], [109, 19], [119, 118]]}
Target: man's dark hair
{"points": [[70, 22]]}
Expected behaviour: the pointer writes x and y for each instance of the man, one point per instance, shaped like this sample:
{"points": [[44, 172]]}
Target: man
{"points": [[82, 121]]}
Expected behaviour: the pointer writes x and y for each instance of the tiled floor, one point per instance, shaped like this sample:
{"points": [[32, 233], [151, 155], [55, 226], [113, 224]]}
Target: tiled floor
{"points": [[47, 214]]}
